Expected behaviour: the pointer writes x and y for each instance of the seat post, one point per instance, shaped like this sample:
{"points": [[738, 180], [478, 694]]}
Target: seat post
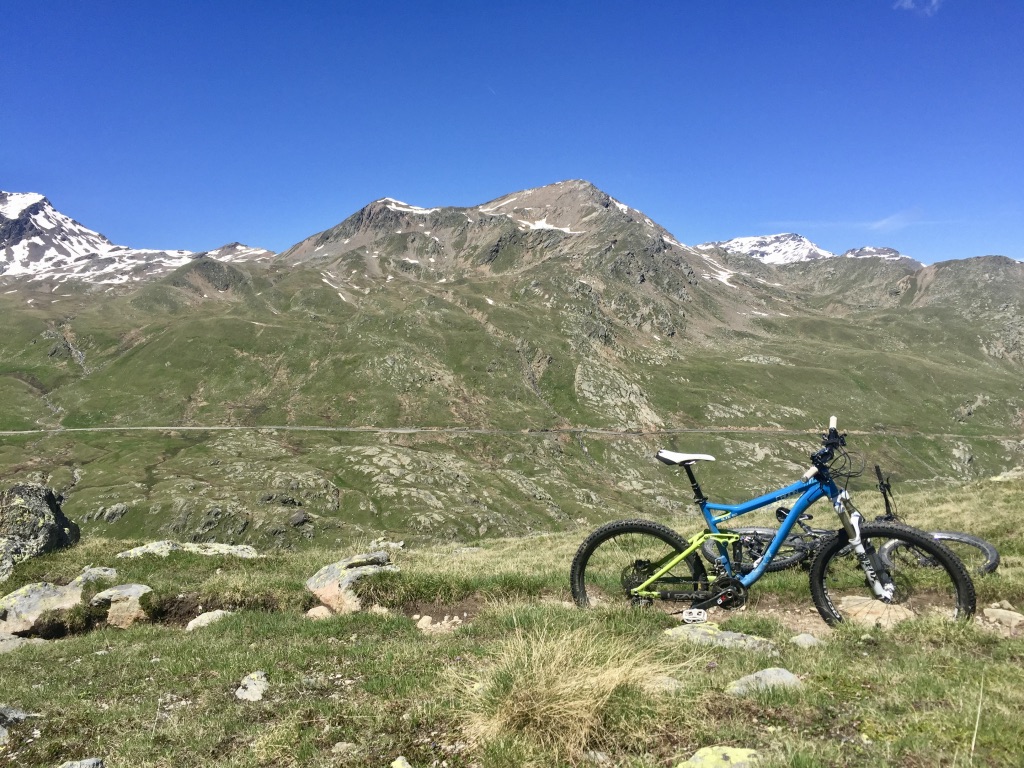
{"points": [[698, 494]]}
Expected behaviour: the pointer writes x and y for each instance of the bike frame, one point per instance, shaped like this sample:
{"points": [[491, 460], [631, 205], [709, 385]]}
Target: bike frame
{"points": [[809, 491]]}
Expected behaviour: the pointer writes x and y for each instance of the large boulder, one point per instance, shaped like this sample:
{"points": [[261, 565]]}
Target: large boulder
{"points": [[31, 524], [22, 609], [334, 584]]}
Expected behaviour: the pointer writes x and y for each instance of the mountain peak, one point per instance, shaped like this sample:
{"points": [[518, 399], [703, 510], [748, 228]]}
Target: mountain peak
{"points": [[785, 248], [12, 204], [41, 243], [871, 251]]}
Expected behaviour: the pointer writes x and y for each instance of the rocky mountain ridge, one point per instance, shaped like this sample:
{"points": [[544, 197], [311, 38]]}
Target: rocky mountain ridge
{"points": [[39, 242]]}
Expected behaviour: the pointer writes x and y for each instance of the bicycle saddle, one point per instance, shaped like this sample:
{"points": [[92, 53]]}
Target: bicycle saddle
{"points": [[671, 457]]}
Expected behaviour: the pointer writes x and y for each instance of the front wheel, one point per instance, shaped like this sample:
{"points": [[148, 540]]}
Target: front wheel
{"points": [[924, 578], [978, 555], [624, 554]]}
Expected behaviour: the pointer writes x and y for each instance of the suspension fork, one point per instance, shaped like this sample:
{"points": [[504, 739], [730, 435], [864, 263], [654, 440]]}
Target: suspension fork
{"points": [[877, 576]]}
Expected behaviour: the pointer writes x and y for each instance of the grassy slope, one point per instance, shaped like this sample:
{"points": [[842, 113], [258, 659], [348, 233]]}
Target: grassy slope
{"points": [[153, 695], [530, 350]]}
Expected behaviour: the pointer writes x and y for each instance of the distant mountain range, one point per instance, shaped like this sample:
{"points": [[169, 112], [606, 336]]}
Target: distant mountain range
{"points": [[790, 248], [39, 242], [493, 369]]}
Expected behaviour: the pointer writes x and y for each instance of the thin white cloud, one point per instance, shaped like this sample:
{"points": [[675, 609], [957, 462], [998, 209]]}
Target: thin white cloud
{"points": [[900, 220], [923, 7], [892, 223]]}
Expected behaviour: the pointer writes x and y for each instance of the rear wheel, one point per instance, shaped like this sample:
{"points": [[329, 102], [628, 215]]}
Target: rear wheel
{"points": [[623, 554], [753, 544], [977, 555], [927, 580]]}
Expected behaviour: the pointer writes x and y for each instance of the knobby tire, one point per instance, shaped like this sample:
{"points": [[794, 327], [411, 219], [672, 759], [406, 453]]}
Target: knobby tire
{"points": [[622, 554], [930, 580]]}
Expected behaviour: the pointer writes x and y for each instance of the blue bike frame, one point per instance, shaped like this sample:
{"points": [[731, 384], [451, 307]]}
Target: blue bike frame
{"points": [[809, 492]]}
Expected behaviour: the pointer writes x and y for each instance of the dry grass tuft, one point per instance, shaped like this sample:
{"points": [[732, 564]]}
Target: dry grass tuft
{"points": [[562, 691]]}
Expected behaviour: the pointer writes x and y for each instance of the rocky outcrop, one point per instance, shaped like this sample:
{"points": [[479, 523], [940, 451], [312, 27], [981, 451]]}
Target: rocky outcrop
{"points": [[21, 610], [333, 584], [122, 604], [31, 524], [164, 548]]}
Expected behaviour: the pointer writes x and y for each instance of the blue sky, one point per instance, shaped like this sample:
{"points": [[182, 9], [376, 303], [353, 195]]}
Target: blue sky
{"points": [[174, 125]]}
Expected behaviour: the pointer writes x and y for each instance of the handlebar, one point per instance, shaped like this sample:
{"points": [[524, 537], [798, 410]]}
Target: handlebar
{"points": [[823, 456]]}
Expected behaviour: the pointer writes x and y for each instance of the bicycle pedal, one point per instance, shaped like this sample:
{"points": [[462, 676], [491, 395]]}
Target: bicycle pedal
{"points": [[695, 616]]}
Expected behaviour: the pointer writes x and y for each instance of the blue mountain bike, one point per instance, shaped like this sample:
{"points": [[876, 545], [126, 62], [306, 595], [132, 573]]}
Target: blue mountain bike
{"points": [[642, 562]]}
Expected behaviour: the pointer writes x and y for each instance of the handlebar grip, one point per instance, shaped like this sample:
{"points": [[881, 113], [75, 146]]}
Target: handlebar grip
{"points": [[832, 423], [878, 474]]}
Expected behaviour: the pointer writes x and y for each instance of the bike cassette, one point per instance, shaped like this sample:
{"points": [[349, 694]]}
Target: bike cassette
{"points": [[726, 593]]}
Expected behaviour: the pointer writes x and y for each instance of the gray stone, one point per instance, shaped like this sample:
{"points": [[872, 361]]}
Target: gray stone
{"points": [[22, 608], [91, 762], [773, 677], [333, 583], [805, 640], [9, 642], [666, 684], [31, 524], [711, 634], [113, 513], [400, 762], [122, 602], [253, 686], [723, 757], [12, 715], [90, 575], [1010, 619], [206, 619], [164, 548], [871, 612]]}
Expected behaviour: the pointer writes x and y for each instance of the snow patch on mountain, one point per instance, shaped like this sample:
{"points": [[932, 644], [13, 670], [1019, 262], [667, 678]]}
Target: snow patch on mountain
{"points": [[398, 205], [870, 251], [791, 248], [785, 248], [543, 224], [13, 203]]}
